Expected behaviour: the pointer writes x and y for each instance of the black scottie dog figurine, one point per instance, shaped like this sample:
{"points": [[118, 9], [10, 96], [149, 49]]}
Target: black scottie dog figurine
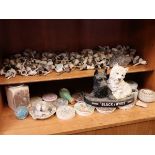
{"points": [[100, 86]]}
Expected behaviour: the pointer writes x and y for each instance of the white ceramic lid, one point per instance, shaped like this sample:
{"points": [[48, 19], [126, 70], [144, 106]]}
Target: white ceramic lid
{"points": [[49, 97]]}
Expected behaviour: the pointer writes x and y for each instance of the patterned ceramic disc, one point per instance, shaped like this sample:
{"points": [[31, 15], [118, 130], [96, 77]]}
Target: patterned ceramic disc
{"points": [[49, 97], [65, 112], [83, 109]]}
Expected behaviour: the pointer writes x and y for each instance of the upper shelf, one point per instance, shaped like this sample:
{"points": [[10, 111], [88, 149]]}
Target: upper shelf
{"points": [[61, 76]]}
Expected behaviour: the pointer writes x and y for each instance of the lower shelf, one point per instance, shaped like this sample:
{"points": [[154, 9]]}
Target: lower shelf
{"points": [[10, 125]]}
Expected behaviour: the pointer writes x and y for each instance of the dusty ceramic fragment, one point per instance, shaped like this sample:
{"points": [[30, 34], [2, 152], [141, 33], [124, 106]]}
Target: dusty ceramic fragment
{"points": [[10, 73], [76, 62], [141, 104], [136, 59], [140, 62], [66, 68], [58, 67]]}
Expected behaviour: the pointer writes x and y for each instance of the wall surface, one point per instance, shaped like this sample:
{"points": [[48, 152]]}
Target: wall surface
{"points": [[1, 102], [62, 34]]}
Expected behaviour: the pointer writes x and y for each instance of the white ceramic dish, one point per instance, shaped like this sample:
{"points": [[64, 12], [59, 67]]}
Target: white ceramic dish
{"points": [[42, 110], [83, 109], [65, 112], [146, 95]]}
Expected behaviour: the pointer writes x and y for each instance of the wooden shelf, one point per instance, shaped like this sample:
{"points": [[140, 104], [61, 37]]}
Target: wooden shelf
{"points": [[10, 125], [62, 76]]}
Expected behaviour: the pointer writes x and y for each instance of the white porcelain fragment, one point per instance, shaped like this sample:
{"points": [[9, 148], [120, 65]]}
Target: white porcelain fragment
{"points": [[58, 68], [141, 104]]}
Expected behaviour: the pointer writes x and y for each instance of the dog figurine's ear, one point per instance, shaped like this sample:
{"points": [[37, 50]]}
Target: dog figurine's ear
{"points": [[96, 72]]}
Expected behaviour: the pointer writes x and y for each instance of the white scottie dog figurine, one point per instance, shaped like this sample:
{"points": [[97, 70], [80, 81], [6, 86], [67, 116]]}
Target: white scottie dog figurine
{"points": [[120, 89]]}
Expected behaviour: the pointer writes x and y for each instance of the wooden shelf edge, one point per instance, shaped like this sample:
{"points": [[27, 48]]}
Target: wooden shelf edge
{"points": [[10, 125], [62, 76]]}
